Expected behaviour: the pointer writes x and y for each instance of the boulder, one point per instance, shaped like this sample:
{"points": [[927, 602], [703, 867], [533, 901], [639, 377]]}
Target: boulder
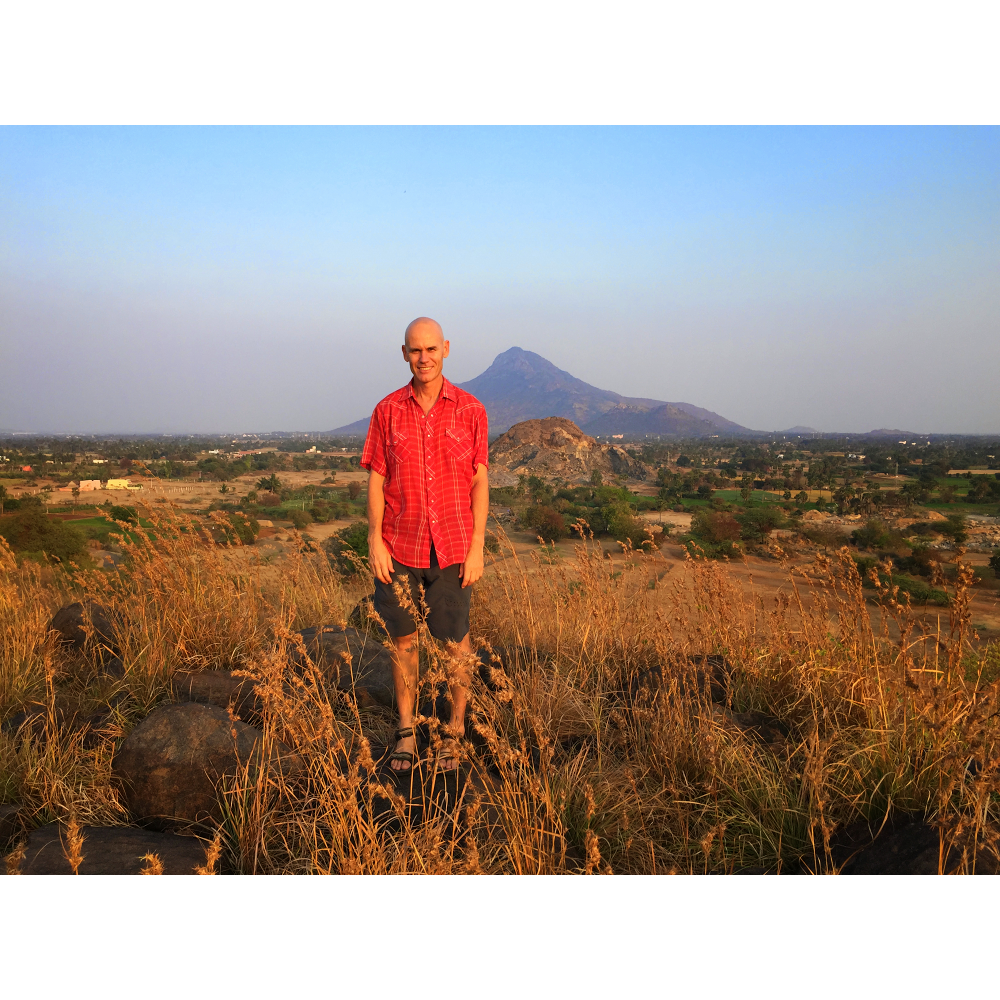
{"points": [[171, 763], [216, 687], [10, 824], [765, 729], [906, 845], [69, 622], [351, 659], [31, 722], [111, 850]]}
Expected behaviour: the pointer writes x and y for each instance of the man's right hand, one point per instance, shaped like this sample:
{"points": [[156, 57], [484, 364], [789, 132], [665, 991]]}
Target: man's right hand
{"points": [[379, 559]]}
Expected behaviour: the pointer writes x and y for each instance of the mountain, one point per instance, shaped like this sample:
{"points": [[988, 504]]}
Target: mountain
{"points": [[521, 385]]}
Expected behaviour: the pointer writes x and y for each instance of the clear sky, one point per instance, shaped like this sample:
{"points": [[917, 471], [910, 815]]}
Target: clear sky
{"points": [[213, 279]]}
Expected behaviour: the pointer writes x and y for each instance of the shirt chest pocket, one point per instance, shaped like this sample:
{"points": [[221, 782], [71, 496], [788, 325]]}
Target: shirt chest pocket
{"points": [[400, 448], [458, 443]]}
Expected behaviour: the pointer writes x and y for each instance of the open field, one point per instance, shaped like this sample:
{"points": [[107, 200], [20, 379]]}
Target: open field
{"points": [[637, 712]]}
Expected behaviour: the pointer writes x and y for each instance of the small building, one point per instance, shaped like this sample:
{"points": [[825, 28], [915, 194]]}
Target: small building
{"points": [[87, 485], [118, 484], [26, 468]]}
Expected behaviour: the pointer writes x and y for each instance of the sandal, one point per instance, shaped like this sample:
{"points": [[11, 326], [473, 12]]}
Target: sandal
{"points": [[449, 749], [405, 756]]}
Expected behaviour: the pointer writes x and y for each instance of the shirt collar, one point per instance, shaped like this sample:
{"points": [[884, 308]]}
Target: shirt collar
{"points": [[447, 390]]}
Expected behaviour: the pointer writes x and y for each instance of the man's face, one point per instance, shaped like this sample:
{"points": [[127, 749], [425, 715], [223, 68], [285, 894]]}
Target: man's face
{"points": [[425, 350]]}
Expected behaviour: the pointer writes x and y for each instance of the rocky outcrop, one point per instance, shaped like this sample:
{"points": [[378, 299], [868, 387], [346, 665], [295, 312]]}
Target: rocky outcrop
{"points": [[72, 620], [352, 660], [171, 763], [111, 850], [555, 446]]}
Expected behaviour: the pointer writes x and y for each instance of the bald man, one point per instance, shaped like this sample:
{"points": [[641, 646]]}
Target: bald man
{"points": [[427, 455]]}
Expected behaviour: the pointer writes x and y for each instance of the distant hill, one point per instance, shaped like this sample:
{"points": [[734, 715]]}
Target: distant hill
{"points": [[521, 385], [556, 446]]}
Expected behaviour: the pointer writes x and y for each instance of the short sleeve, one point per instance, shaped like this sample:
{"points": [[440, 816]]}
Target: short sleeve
{"points": [[373, 453], [480, 440]]}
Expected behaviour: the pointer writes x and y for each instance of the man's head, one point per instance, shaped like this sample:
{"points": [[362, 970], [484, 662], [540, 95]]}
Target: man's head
{"points": [[424, 349]]}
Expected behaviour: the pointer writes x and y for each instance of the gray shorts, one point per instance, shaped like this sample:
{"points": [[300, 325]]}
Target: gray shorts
{"points": [[447, 603]]}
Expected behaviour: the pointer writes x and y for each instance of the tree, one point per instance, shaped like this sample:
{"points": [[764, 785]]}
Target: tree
{"points": [[270, 483], [76, 495], [30, 531], [4, 495], [684, 462], [802, 497], [354, 489], [995, 563], [596, 479]]}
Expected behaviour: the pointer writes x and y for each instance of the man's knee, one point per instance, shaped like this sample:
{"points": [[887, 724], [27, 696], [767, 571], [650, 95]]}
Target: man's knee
{"points": [[405, 643]]}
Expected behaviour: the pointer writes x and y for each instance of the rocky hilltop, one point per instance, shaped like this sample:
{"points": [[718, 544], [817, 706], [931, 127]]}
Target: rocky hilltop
{"points": [[555, 446]]}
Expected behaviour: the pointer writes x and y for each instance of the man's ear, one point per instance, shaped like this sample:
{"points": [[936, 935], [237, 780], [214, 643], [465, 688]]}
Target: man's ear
{"points": [[447, 348], [406, 354]]}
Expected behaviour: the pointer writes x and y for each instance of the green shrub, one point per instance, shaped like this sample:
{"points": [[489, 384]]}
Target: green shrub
{"points": [[30, 531], [715, 526], [299, 518], [918, 562], [919, 591], [321, 511], [544, 521], [241, 527], [757, 522], [349, 542], [119, 512], [624, 526], [995, 562], [873, 535]]}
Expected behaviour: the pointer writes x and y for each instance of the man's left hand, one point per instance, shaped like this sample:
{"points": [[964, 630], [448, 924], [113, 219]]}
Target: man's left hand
{"points": [[472, 569]]}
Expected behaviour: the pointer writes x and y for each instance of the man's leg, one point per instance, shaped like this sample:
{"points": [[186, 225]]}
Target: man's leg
{"points": [[405, 670], [458, 686]]}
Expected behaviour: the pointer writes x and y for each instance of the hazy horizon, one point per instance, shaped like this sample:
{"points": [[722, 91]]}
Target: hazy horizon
{"points": [[198, 280]]}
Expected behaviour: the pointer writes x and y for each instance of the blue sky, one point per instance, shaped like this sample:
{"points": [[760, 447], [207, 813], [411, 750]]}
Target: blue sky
{"points": [[260, 279]]}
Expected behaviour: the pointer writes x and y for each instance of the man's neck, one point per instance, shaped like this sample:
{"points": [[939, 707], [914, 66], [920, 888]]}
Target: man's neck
{"points": [[426, 393]]}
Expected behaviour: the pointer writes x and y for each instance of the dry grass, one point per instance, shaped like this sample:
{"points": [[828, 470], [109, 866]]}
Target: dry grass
{"points": [[593, 741]]}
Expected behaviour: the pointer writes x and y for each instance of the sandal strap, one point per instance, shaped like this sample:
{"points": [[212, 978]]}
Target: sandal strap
{"points": [[402, 734]]}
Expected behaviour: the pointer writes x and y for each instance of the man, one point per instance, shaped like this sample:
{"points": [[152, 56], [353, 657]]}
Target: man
{"points": [[427, 455]]}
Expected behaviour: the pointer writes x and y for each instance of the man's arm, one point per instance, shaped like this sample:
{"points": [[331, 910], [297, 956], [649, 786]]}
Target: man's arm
{"points": [[378, 555], [472, 569]]}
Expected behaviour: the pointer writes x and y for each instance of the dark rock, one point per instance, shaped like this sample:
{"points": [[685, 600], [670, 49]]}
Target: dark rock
{"points": [[905, 845], [111, 850], [350, 659], [359, 616], [172, 761], [114, 667], [69, 622], [757, 725], [709, 674], [216, 687], [32, 722], [10, 824]]}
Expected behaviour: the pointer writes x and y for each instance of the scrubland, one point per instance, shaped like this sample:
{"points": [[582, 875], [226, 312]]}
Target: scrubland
{"points": [[622, 720]]}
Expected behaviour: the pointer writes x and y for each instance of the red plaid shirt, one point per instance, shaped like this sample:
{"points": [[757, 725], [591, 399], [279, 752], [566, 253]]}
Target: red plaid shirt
{"points": [[428, 462]]}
